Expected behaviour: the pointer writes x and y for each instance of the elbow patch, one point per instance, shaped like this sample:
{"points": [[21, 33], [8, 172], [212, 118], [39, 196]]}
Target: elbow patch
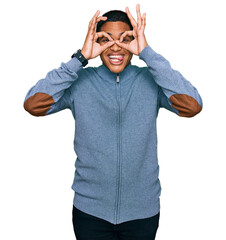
{"points": [[38, 104], [185, 104]]}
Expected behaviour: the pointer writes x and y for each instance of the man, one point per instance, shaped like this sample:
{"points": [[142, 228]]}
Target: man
{"points": [[115, 107]]}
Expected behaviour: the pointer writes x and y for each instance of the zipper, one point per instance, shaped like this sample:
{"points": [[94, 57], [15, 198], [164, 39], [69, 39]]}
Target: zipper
{"points": [[117, 79], [118, 145]]}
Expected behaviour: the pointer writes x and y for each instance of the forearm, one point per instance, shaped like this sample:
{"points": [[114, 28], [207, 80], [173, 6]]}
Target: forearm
{"points": [[49, 90], [181, 94]]}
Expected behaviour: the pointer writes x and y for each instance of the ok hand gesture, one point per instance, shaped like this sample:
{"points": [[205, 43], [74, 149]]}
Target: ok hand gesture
{"points": [[91, 48], [139, 43]]}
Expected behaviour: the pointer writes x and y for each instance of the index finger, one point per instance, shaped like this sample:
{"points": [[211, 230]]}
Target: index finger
{"points": [[102, 34]]}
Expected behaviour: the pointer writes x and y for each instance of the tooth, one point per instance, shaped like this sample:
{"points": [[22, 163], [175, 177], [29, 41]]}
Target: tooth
{"points": [[116, 56]]}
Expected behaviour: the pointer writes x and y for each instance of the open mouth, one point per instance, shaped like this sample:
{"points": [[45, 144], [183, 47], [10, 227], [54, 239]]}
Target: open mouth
{"points": [[116, 59]]}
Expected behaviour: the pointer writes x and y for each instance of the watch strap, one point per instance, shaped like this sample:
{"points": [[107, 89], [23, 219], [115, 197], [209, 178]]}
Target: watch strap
{"points": [[80, 57]]}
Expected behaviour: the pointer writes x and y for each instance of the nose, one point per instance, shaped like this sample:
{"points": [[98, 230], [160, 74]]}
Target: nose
{"points": [[115, 47]]}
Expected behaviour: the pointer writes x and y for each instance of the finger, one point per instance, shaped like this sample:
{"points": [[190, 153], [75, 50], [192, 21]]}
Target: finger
{"points": [[95, 21], [144, 20], [139, 19], [95, 15], [102, 34], [132, 20], [101, 18], [93, 25], [126, 33], [123, 45]]}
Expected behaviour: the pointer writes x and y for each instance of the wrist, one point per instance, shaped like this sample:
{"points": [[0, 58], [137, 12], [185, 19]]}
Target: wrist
{"points": [[142, 42], [84, 54]]}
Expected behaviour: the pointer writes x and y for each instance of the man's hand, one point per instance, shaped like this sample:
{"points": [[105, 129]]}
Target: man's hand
{"points": [[139, 43], [91, 48]]}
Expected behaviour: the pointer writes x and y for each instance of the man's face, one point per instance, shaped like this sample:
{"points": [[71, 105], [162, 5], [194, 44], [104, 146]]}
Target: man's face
{"points": [[115, 58]]}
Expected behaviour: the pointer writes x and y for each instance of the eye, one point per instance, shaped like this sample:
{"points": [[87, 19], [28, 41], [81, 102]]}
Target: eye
{"points": [[125, 40], [105, 40]]}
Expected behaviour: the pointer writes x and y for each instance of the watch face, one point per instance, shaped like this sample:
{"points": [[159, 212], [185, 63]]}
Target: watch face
{"points": [[80, 57]]}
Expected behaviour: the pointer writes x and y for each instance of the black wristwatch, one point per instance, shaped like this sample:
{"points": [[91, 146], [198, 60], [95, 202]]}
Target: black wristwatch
{"points": [[80, 57]]}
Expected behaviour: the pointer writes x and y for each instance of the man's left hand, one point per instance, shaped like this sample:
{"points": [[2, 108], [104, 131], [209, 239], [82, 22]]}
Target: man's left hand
{"points": [[139, 43]]}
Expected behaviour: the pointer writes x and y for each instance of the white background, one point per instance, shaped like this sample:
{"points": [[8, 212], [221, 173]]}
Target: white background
{"points": [[37, 156]]}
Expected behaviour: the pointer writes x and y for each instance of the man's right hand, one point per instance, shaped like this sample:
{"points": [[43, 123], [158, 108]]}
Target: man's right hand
{"points": [[91, 48]]}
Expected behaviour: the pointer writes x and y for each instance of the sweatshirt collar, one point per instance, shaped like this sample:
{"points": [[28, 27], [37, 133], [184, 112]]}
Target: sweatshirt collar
{"points": [[124, 76]]}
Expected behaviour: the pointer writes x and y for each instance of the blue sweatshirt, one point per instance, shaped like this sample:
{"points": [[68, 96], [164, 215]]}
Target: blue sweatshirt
{"points": [[116, 170]]}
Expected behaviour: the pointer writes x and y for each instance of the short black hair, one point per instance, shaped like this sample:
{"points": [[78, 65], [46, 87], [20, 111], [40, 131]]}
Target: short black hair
{"points": [[114, 16]]}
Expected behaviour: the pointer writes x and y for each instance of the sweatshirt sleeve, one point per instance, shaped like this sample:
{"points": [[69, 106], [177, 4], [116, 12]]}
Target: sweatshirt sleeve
{"points": [[175, 92], [52, 93]]}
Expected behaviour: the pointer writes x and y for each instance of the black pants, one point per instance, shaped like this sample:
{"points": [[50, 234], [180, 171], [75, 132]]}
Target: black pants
{"points": [[88, 227]]}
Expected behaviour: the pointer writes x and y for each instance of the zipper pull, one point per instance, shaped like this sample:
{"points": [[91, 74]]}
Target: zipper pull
{"points": [[117, 79]]}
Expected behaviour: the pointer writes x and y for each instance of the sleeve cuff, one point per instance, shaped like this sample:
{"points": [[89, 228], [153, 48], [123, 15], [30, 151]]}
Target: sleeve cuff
{"points": [[74, 64], [147, 53]]}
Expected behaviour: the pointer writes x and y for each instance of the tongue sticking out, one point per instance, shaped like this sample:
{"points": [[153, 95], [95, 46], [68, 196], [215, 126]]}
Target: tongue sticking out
{"points": [[119, 58]]}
